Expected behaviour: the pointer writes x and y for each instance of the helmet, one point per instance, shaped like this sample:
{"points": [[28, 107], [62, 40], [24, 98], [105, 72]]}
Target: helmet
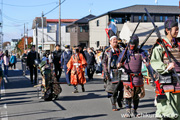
{"points": [[134, 42]]}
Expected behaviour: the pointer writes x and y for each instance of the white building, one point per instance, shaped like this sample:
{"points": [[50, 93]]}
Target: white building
{"points": [[13, 44], [50, 33]]}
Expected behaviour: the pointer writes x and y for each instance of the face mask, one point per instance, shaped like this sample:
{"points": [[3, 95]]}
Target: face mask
{"points": [[90, 51], [66, 50], [76, 50]]}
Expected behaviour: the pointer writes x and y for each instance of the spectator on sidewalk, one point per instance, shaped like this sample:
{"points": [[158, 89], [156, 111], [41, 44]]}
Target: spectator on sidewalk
{"points": [[32, 55], [6, 63], [13, 61], [1, 57], [24, 62]]}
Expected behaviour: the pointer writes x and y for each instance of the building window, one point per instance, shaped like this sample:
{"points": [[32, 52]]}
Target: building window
{"points": [[86, 28], [51, 28], [177, 20], [81, 29], [145, 19], [118, 20], [97, 22], [161, 18], [166, 17]]}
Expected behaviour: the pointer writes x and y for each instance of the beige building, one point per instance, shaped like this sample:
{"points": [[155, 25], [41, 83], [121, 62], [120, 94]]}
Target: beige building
{"points": [[131, 14]]}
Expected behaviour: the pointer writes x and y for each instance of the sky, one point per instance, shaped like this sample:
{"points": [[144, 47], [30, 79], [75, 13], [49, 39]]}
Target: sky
{"points": [[16, 13]]}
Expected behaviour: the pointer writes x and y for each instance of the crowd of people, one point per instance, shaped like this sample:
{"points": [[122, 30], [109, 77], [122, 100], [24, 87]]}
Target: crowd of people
{"points": [[7, 60], [121, 67]]}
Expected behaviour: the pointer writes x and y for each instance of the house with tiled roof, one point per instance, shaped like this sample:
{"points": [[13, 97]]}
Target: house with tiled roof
{"points": [[79, 31]]}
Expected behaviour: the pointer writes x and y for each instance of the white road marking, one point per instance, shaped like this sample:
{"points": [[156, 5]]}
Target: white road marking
{"points": [[5, 80], [4, 114], [5, 106], [149, 90]]}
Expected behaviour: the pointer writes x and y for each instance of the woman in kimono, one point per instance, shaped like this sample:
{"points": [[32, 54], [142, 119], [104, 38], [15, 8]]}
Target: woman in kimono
{"points": [[77, 64]]}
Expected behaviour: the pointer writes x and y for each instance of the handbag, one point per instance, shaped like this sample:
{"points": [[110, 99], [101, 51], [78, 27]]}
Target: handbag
{"points": [[165, 78], [110, 87], [125, 77]]}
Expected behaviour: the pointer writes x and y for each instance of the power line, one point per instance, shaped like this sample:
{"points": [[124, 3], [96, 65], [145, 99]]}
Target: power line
{"points": [[28, 5], [13, 19], [54, 8]]}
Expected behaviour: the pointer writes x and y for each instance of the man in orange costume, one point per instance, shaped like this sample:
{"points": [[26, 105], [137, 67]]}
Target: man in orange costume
{"points": [[77, 65]]}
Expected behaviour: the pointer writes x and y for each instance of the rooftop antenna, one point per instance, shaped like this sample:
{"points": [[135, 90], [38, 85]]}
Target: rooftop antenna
{"points": [[156, 2], [91, 4]]}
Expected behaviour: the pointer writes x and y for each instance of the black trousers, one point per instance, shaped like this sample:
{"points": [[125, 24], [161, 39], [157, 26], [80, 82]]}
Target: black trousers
{"points": [[119, 95], [135, 103], [33, 70], [58, 72], [90, 72], [13, 64], [134, 99]]}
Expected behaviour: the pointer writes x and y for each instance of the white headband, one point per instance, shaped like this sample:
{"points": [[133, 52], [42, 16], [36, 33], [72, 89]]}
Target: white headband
{"points": [[113, 37]]}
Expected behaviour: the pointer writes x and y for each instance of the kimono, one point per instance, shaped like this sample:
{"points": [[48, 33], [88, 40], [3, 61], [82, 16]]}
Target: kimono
{"points": [[169, 108], [77, 64]]}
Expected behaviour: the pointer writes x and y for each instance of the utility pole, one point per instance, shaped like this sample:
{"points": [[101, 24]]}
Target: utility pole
{"points": [[1, 26], [36, 36], [24, 38], [59, 24], [42, 32], [37, 50], [27, 37]]}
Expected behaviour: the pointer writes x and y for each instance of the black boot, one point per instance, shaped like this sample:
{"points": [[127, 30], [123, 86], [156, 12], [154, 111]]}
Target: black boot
{"points": [[135, 113], [128, 113], [75, 89], [83, 89]]}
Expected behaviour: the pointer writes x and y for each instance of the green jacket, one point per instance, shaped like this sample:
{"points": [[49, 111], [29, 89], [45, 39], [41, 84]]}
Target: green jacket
{"points": [[157, 57]]}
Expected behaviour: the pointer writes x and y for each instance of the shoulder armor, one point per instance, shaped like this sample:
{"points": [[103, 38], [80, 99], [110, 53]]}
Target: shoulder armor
{"points": [[109, 48]]}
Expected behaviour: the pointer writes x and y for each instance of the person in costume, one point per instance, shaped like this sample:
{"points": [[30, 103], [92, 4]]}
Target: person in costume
{"points": [[168, 108], [90, 63], [109, 63], [134, 85], [77, 64], [65, 57]]}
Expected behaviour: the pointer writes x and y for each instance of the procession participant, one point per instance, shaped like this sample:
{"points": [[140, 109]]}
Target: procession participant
{"points": [[32, 55], [134, 87], [170, 107], [77, 64], [90, 63], [65, 57], [109, 61], [56, 61]]}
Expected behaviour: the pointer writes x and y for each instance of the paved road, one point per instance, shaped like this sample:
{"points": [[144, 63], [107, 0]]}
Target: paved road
{"points": [[20, 102]]}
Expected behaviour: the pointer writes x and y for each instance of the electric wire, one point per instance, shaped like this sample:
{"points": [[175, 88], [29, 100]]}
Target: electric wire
{"points": [[27, 5], [54, 8]]}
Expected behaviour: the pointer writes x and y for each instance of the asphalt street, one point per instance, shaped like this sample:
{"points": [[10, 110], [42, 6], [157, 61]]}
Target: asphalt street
{"points": [[19, 101]]}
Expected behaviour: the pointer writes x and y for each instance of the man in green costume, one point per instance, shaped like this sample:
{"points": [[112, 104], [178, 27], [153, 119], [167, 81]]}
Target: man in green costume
{"points": [[170, 107]]}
